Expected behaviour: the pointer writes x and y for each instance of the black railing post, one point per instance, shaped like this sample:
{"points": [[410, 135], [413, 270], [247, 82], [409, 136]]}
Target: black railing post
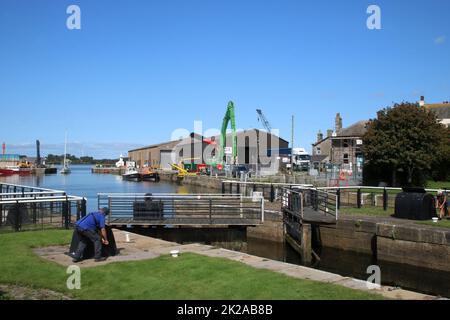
{"points": [[358, 198], [238, 188], [223, 187], [231, 187], [34, 207], [17, 218], [65, 213], [315, 199], [1, 206], [254, 187], [385, 199], [338, 193], [272, 193], [78, 211], [83, 208]]}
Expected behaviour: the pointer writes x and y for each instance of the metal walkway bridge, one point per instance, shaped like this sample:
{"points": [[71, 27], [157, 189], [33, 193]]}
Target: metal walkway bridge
{"points": [[182, 210], [309, 205]]}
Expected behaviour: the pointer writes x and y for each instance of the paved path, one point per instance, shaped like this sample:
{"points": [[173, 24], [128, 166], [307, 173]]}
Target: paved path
{"points": [[142, 248]]}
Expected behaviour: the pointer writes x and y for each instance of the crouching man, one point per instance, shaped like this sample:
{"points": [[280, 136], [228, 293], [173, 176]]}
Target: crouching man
{"points": [[88, 229]]}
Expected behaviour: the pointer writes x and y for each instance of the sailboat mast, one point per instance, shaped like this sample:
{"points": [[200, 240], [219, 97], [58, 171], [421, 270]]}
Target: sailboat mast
{"points": [[65, 149]]}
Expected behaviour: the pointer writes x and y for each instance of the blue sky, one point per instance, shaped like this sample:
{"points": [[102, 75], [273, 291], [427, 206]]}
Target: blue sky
{"points": [[137, 70]]}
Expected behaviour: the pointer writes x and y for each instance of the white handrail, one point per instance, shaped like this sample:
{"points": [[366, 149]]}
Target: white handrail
{"points": [[40, 200], [31, 187]]}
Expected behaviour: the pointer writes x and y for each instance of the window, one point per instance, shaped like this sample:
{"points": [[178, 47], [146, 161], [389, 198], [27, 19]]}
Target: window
{"points": [[345, 144], [346, 158]]}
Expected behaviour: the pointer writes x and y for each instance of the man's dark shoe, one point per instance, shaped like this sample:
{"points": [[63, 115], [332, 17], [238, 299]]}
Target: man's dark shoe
{"points": [[76, 260], [100, 259]]}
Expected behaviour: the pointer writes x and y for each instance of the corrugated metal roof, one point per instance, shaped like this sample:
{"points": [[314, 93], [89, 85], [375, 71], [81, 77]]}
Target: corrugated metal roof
{"points": [[187, 140]]}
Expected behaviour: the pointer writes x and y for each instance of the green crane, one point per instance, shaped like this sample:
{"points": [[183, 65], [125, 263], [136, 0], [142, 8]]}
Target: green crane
{"points": [[229, 117]]}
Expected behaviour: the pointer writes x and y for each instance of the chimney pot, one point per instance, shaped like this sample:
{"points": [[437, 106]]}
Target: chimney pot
{"points": [[338, 123], [329, 133], [319, 136], [422, 101]]}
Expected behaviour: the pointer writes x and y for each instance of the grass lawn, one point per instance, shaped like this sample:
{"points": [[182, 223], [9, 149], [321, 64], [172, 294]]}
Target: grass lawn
{"points": [[442, 223], [190, 276], [378, 211], [438, 184], [368, 211]]}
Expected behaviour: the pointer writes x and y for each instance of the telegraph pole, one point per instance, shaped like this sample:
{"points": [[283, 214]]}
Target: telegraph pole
{"points": [[292, 147]]}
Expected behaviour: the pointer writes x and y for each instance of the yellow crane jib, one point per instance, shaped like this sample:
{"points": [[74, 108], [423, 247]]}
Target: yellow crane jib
{"points": [[181, 171]]}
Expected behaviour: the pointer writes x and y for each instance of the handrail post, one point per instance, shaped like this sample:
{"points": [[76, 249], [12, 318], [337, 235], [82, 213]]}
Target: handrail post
{"points": [[358, 198], [262, 209], [18, 218], [272, 193], [338, 199], [337, 206], [110, 209], [385, 199], [83, 207], [223, 187], [1, 206], [66, 213], [301, 206]]}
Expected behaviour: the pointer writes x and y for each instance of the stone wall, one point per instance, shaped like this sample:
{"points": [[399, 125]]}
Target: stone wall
{"points": [[272, 229], [416, 245]]}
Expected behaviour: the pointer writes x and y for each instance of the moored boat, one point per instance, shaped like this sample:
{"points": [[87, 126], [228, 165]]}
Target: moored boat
{"points": [[65, 169], [131, 174], [149, 175], [10, 170]]}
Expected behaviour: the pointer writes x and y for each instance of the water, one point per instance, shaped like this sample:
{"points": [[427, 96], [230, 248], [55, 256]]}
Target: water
{"points": [[81, 182]]}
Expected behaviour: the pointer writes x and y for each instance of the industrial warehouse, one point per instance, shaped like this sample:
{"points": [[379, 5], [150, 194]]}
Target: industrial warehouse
{"points": [[255, 148]]}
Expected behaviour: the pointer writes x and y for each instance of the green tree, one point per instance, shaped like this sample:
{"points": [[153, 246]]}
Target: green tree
{"points": [[406, 138]]}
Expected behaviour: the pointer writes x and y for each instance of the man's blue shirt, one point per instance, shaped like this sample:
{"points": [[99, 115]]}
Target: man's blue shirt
{"points": [[93, 221]]}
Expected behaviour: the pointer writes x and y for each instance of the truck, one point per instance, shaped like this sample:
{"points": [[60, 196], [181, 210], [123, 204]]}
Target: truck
{"points": [[301, 159]]}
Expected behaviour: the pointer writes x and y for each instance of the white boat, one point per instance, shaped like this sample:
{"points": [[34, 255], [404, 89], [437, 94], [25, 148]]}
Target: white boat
{"points": [[65, 169], [131, 174]]}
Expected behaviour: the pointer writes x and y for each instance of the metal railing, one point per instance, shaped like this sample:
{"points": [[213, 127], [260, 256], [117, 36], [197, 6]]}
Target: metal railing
{"points": [[296, 200], [293, 202], [270, 191], [30, 208], [182, 210], [366, 196]]}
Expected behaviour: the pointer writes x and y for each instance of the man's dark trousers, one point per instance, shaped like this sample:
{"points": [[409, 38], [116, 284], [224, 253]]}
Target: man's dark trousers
{"points": [[85, 236]]}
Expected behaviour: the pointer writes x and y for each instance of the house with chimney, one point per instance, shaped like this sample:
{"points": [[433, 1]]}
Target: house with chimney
{"points": [[442, 110], [341, 148]]}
